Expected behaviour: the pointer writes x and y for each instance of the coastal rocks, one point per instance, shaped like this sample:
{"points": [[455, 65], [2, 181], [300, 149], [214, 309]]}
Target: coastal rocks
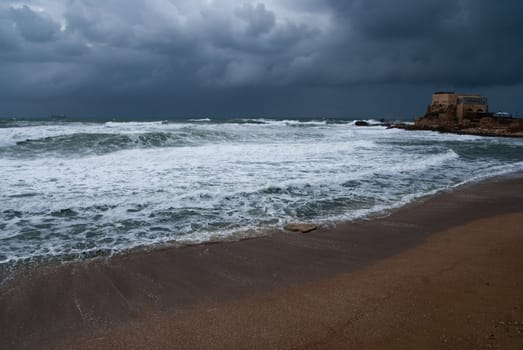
{"points": [[382, 122], [480, 126], [302, 228]]}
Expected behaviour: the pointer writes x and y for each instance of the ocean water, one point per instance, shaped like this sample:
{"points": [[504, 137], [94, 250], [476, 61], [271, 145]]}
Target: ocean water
{"points": [[71, 190]]}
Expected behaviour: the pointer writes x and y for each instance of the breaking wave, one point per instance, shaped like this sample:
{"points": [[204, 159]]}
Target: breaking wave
{"points": [[102, 143]]}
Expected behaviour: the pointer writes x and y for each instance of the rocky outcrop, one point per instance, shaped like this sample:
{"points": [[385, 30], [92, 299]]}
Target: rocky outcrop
{"points": [[482, 124], [382, 122]]}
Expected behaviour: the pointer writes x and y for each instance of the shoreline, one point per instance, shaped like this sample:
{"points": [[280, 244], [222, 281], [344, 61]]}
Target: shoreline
{"points": [[59, 303], [459, 289], [30, 264]]}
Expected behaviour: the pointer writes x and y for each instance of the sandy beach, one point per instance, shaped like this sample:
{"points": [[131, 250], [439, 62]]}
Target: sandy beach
{"points": [[180, 174], [443, 273]]}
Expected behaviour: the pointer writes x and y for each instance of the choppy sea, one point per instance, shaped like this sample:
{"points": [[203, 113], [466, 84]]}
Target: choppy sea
{"points": [[71, 190]]}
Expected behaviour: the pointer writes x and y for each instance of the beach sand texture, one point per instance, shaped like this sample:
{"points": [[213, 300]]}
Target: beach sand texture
{"points": [[445, 273]]}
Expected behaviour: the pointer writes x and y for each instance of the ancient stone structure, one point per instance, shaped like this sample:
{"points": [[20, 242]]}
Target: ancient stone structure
{"points": [[465, 114], [456, 105]]}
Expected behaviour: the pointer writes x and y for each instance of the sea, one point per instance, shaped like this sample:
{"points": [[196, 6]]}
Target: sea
{"points": [[74, 190]]}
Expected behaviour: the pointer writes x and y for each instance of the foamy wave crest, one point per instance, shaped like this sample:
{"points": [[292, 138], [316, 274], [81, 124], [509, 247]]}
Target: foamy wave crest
{"points": [[275, 122], [136, 124], [304, 123], [101, 143], [200, 120], [92, 143], [424, 162], [372, 122]]}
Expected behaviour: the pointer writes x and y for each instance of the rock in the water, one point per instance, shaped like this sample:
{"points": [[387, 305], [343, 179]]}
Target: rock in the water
{"points": [[303, 228], [361, 123]]}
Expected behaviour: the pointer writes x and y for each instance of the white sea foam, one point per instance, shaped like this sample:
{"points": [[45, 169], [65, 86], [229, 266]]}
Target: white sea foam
{"points": [[139, 184], [200, 120]]}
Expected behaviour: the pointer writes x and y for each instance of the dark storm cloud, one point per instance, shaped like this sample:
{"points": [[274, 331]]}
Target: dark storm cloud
{"points": [[34, 27], [90, 49], [259, 20], [459, 42]]}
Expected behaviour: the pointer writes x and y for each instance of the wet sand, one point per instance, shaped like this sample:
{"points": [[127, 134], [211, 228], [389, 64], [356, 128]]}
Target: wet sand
{"points": [[443, 273]]}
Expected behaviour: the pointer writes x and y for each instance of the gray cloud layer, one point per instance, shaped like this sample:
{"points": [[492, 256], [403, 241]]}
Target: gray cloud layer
{"points": [[178, 54]]}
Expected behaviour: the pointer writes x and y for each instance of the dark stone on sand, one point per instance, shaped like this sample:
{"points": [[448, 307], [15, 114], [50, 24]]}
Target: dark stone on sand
{"points": [[302, 228]]}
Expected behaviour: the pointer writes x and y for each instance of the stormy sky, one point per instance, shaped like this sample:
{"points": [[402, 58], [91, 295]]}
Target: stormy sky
{"points": [[287, 58]]}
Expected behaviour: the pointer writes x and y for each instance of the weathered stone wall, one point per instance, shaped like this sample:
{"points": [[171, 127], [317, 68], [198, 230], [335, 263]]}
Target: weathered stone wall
{"points": [[465, 109]]}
